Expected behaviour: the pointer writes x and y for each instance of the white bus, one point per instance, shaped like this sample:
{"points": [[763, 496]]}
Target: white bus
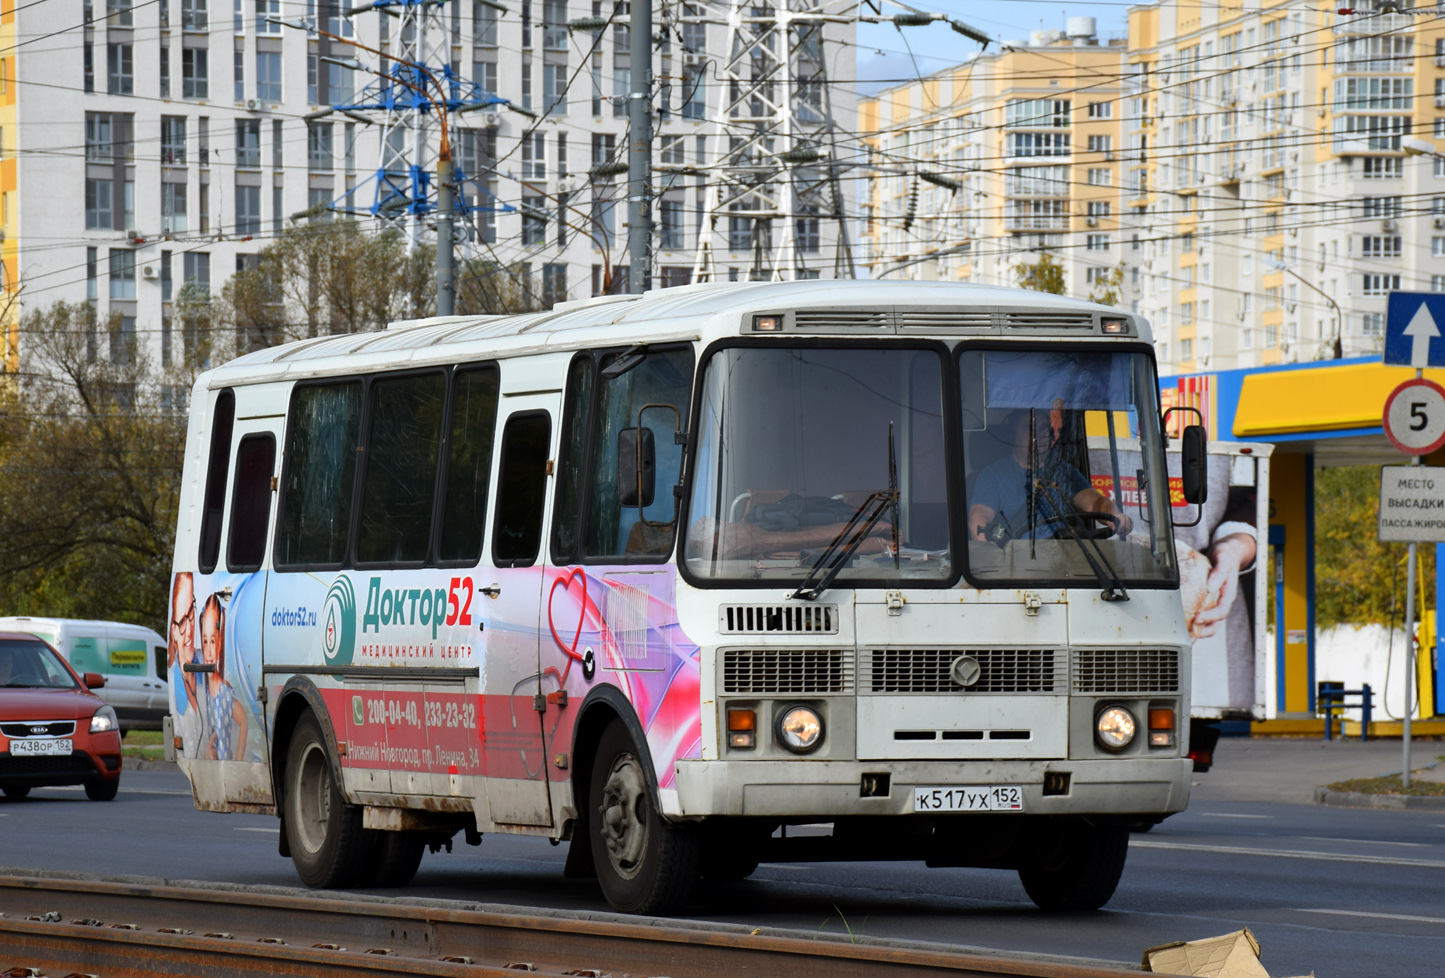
{"points": [[666, 575]]}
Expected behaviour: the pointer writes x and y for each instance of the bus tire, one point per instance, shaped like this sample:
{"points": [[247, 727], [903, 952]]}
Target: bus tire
{"points": [[395, 857], [1076, 868], [323, 831], [645, 864], [17, 791]]}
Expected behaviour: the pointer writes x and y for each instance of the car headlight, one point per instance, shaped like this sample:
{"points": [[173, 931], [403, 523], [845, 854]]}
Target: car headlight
{"points": [[104, 720], [1114, 728], [800, 729]]}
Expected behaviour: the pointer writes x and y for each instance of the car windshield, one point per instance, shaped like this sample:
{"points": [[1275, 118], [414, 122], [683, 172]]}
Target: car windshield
{"points": [[1061, 450], [813, 457], [31, 663]]}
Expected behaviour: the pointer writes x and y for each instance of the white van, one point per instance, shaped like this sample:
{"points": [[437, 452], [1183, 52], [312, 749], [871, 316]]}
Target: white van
{"points": [[132, 659]]}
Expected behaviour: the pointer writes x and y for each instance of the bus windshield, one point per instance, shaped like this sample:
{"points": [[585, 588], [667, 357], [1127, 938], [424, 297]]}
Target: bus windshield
{"points": [[1061, 450], [806, 450]]}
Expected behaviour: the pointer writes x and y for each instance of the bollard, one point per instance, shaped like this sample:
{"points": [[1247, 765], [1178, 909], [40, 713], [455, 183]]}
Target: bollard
{"points": [[1366, 707]]}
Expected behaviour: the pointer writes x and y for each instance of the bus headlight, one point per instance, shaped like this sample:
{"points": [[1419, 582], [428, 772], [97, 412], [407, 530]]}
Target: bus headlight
{"points": [[103, 720], [1114, 728], [800, 729]]}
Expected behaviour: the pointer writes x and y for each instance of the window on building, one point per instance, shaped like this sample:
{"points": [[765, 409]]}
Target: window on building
{"points": [[99, 205], [554, 283], [122, 273], [120, 71], [1372, 324], [194, 16], [248, 143], [1377, 284], [554, 25], [1387, 246], [670, 229], [268, 76], [173, 208], [1098, 208], [1437, 283], [1101, 144], [248, 210], [1100, 176], [554, 88], [484, 24], [534, 219], [319, 154], [1101, 110], [173, 140], [238, 71], [1097, 242], [195, 78], [266, 10]]}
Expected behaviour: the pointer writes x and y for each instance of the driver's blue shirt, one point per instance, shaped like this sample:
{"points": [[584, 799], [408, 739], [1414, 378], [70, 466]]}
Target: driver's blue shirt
{"points": [[1004, 488]]}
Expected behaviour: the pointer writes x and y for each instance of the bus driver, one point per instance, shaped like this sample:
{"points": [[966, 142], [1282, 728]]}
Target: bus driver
{"points": [[1000, 507]]}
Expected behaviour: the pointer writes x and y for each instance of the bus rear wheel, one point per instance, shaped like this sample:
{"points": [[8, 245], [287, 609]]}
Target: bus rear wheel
{"points": [[1075, 867], [644, 863], [395, 857], [325, 835]]}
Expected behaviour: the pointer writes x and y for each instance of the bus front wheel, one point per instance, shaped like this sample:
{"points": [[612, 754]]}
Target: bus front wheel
{"points": [[326, 839], [644, 863], [1075, 867]]}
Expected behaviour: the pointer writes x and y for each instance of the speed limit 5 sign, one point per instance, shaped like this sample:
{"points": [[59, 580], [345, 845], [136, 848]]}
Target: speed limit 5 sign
{"points": [[1415, 416]]}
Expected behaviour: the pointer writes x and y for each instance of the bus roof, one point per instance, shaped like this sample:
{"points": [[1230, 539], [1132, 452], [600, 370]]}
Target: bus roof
{"points": [[706, 311]]}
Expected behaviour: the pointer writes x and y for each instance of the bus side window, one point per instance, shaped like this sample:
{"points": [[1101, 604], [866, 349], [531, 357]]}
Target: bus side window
{"points": [[521, 485], [572, 466], [662, 380], [321, 449], [398, 489], [469, 464], [215, 502], [251, 503]]}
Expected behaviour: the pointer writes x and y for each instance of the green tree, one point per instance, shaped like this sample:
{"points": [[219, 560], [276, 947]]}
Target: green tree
{"points": [[1043, 275], [1358, 580], [90, 466]]}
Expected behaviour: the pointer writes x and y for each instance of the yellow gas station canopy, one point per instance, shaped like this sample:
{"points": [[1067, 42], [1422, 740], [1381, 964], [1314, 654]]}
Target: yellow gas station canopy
{"points": [[1324, 398]]}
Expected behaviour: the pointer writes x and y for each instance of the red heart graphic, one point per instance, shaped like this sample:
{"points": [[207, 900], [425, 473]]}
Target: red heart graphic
{"points": [[565, 581]]}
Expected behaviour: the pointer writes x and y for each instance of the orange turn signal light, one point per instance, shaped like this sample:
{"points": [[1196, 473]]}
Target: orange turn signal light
{"points": [[742, 720], [1161, 719]]}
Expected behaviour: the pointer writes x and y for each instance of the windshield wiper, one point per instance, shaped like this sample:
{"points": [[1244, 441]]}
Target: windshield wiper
{"points": [[1097, 561], [872, 508], [834, 557]]}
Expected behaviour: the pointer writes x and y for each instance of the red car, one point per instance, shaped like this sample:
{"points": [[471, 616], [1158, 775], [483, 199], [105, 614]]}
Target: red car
{"points": [[53, 729]]}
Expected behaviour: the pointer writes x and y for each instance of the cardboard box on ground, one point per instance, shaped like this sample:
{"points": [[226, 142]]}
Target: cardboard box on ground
{"points": [[1233, 955]]}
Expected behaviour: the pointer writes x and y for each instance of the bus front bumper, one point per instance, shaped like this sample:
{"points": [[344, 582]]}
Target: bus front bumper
{"points": [[826, 789]]}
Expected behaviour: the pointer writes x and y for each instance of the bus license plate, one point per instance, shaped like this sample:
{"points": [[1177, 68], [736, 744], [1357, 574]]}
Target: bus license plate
{"points": [[23, 748], [968, 798]]}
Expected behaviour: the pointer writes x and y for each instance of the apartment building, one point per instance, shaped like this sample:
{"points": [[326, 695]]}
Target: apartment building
{"points": [[1272, 190], [150, 149], [988, 166]]}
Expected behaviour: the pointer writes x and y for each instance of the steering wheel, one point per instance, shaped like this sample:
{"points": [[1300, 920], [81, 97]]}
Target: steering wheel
{"points": [[1111, 522]]}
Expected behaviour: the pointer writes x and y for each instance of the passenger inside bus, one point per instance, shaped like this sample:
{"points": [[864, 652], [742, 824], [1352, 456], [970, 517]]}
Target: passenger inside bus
{"points": [[1033, 491]]}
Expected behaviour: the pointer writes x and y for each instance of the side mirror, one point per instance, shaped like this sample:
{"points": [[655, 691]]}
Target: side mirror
{"points": [[93, 680], [1194, 464], [636, 467]]}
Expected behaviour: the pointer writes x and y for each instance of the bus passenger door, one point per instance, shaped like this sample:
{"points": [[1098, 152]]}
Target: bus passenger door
{"points": [[230, 624], [510, 605]]}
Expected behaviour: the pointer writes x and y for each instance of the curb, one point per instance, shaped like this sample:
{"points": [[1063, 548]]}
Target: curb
{"points": [[141, 764], [1356, 799]]}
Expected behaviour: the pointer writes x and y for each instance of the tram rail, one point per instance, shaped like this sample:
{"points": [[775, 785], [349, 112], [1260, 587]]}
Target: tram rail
{"points": [[121, 929]]}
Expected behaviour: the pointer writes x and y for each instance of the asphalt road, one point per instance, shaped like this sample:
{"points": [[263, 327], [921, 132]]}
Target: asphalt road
{"points": [[1341, 893]]}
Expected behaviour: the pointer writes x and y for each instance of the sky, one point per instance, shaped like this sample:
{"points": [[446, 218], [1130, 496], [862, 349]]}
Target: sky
{"points": [[884, 57]]}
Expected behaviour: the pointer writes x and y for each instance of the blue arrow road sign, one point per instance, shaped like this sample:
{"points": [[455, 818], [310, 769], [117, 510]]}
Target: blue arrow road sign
{"points": [[1413, 326]]}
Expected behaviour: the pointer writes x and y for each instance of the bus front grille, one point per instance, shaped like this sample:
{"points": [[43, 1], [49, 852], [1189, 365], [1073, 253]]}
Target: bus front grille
{"points": [[794, 619], [1126, 671], [929, 670], [764, 671]]}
